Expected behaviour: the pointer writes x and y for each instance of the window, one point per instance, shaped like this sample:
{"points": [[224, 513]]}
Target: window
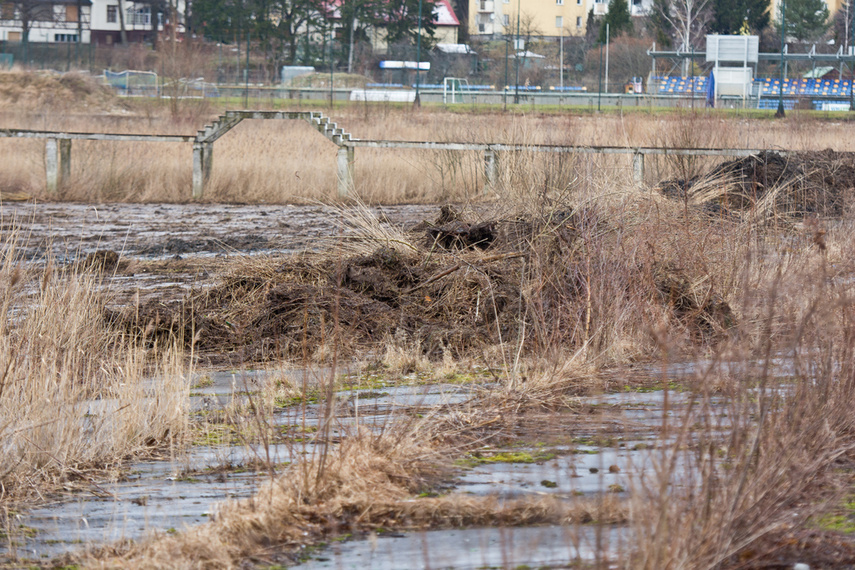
{"points": [[65, 38], [578, 2], [559, 21], [140, 16], [112, 14], [71, 13], [559, 2], [578, 21], [7, 11], [42, 14], [506, 20]]}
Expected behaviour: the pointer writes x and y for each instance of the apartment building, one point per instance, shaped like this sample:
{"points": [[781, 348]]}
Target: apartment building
{"points": [[544, 18]]}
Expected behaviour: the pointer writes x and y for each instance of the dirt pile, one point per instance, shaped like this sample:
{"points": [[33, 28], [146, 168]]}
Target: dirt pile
{"points": [[518, 282], [796, 185], [44, 90]]}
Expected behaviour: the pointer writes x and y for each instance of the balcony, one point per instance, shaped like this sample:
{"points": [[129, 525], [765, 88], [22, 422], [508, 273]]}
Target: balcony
{"points": [[486, 6]]}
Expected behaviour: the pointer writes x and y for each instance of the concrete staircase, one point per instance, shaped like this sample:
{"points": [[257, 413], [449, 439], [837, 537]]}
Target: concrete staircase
{"points": [[226, 122], [329, 129]]}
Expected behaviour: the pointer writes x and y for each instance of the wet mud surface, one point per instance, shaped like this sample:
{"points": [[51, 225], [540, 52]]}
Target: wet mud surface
{"points": [[69, 231]]}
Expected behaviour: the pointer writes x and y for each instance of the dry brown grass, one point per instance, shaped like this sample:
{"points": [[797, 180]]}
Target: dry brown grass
{"points": [[73, 391], [368, 482], [596, 274], [265, 161]]}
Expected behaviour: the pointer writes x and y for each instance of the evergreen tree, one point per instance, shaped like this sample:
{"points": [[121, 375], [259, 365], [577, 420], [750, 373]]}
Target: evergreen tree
{"points": [[618, 19], [660, 25], [730, 15], [592, 28], [805, 19]]}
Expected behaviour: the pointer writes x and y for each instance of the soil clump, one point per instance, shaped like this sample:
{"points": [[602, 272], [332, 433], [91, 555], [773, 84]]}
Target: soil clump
{"points": [[435, 290], [795, 185]]}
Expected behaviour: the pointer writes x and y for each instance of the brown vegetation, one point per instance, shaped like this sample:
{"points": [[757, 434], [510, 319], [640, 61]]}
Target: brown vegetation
{"points": [[73, 395], [287, 162], [570, 279]]}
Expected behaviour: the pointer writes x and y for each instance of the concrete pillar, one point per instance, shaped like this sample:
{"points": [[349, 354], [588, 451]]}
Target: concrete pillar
{"points": [[490, 170], [638, 168], [51, 165], [207, 162], [64, 162], [344, 160], [198, 170]]}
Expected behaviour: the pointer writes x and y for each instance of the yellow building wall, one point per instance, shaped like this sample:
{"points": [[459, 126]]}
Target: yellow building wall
{"points": [[537, 17], [833, 7]]}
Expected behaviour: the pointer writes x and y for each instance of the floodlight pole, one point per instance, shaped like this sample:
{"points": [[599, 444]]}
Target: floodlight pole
{"points": [[332, 66], [600, 74], [779, 114], [561, 57], [517, 57], [246, 74], [417, 102], [852, 63], [505, 90]]}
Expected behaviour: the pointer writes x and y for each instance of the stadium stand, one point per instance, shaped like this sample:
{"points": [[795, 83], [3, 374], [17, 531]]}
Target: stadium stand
{"points": [[675, 85], [769, 87], [772, 104]]}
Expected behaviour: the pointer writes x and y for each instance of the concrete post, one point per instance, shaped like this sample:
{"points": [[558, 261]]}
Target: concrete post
{"points": [[344, 158], [64, 162], [51, 165], [638, 168], [207, 162], [490, 170], [198, 170]]}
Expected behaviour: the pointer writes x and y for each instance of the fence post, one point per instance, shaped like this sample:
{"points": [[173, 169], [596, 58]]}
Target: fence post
{"points": [[51, 165], [64, 162], [638, 167], [344, 158], [490, 167]]}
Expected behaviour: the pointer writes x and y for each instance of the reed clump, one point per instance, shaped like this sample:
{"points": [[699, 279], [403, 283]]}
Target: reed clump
{"points": [[76, 394]]}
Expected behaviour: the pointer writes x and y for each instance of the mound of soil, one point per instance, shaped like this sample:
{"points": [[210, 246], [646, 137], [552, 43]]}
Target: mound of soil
{"points": [[39, 90], [515, 282], [812, 183]]}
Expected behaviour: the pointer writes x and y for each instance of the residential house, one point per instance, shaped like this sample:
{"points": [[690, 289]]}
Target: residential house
{"points": [[86, 21], [48, 21]]}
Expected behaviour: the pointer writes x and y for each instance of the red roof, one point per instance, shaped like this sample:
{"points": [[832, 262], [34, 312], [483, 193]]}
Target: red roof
{"points": [[443, 13]]}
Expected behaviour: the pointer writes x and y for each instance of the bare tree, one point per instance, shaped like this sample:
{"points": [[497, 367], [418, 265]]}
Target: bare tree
{"points": [[689, 19]]}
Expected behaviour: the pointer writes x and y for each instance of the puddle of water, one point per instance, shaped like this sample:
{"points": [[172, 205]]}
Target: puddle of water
{"points": [[162, 495], [129, 509], [469, 549], [158, 496], [592, 471]]}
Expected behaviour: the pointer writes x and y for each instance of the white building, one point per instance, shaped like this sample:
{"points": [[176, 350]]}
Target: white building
{"points": [[49, 21], [86, 21]]}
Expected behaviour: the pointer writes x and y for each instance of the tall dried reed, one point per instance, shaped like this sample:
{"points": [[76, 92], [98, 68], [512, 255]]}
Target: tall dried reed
{"points": [[75, 393], [264, 161]]}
